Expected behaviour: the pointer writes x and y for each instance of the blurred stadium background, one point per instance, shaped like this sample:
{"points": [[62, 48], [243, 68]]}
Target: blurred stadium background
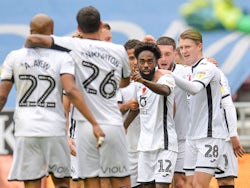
{"points": [[225, 26]]}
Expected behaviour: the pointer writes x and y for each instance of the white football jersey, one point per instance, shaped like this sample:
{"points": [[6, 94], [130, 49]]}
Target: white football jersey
{"points": [[182, 114], [133, 131], [206, 117], [156, 116], [99, 67], [230, 117], [36, 73]]}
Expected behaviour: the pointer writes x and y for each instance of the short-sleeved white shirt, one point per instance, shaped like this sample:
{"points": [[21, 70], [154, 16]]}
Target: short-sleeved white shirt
{"points": [[99, 66], [36, 73], [156, 116]]}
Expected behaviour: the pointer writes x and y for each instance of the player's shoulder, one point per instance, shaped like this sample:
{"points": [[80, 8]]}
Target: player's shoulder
{"points": [[17, 54], [105, 46], [162, 72], [178, 68], [116, 46], [207, 63], [20, 51]]}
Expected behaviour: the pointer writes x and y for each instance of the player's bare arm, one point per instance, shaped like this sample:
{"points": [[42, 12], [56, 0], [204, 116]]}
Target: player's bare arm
{"points": [[36, 40], [132, 104], [155, 87], [131, 116]]}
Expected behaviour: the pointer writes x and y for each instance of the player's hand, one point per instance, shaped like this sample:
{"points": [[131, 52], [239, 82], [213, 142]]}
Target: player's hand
{"points": [[212, 60], [133, 104], [136, 76], [149, 38], [72, 146], [99, 134], [238, 149]]}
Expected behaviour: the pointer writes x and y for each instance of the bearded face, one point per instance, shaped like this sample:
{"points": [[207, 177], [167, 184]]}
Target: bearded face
{"points": [[149, 76]]}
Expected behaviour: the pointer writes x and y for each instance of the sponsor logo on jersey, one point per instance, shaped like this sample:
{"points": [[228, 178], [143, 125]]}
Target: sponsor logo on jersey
{"points": [[200, 75]]}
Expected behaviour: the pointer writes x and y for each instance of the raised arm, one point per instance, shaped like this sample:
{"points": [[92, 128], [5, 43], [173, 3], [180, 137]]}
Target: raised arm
{"points": [[160, 89], [190, 87]]}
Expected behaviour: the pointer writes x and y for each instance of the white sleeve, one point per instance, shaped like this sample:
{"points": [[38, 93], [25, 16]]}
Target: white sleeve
{"points": [[119, 96], [190, 87], [230, 115]]}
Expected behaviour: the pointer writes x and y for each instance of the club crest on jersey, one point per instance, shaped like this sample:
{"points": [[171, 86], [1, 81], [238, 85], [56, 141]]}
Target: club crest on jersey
{"points": [[142, 101], [200, 75]]}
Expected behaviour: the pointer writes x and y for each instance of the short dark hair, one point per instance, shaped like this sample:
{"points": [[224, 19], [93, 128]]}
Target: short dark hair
{"points": [[131, 44], [149, 46], [164, 40], [89, 19]]}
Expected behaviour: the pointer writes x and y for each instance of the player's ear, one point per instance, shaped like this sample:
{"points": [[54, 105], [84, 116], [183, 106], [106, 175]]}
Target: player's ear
{"points": [[200, 45]]}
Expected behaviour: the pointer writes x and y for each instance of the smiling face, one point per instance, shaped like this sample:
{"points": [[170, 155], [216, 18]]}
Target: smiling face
{"points": [[190, 50], [167, 57]]}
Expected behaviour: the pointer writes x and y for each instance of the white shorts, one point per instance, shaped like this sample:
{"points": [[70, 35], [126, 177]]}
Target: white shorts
{"points": [[232, 167], [156, 166], [36, 157], [204, 155], [133, 163], [180, 157], [110, 160], [74, 168]]}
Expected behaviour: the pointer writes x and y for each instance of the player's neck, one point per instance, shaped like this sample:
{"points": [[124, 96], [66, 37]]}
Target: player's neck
{"points": [[94, 36]]}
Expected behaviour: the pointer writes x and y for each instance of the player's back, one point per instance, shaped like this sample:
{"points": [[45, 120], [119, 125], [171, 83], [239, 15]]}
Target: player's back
{"points": [[99, 69], [36, 73]]}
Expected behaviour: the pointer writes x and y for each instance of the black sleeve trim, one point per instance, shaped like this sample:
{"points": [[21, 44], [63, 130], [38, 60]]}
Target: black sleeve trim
{"points": [[200, 82], [225, 96], [56, 47], [9, 80]]}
